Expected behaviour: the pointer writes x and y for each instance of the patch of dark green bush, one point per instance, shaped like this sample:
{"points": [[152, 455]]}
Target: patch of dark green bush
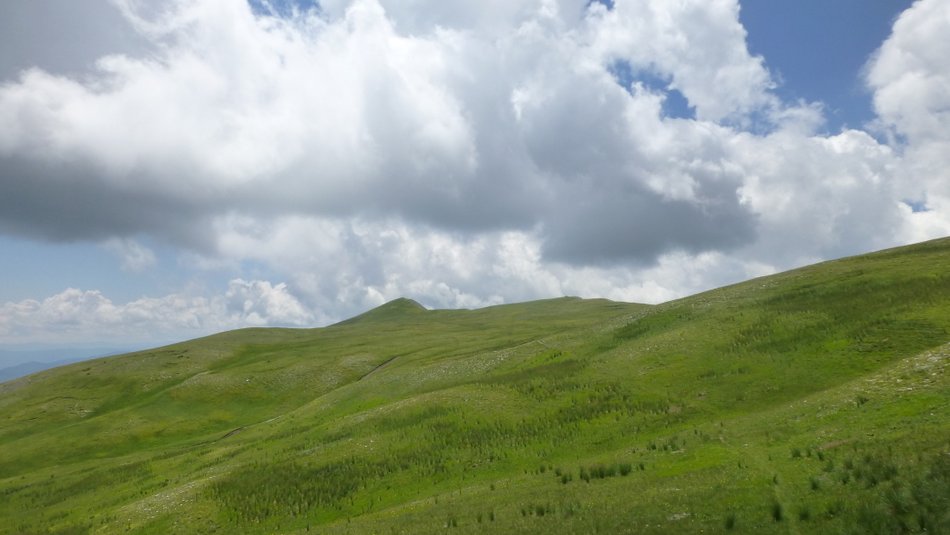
{"points": [[777, 512], [730, 520]]}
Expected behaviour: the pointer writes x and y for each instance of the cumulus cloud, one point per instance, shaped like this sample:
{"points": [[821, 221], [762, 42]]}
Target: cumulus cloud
{"points": [[357, 115], [76, 315], [464, 155], [910, 75], [699, 46], [261, 303], [818, 197], [910, 78]]}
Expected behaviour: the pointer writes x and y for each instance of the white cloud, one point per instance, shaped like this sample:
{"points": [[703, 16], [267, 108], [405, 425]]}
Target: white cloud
{"points": [[351, 116], [77, 316], [910, 74], [910, 77], [818, 197], [260, 303], [699, 44]]}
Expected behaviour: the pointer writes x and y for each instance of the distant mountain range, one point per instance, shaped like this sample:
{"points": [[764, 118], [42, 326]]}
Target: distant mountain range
{"points": [[17, 363], [26, 368]]}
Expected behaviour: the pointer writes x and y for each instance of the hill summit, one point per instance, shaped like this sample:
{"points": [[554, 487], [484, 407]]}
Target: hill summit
{"points": [[398, 309]]}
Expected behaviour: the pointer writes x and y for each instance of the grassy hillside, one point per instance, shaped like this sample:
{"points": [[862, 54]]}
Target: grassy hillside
{"points": [[813, 401]]}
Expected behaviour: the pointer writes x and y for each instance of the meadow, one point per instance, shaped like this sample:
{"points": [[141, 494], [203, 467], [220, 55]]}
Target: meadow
{"points": [[811, 401]]}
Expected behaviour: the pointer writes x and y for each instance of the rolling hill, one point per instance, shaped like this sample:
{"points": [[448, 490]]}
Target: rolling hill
{"points": [[812, 401]]}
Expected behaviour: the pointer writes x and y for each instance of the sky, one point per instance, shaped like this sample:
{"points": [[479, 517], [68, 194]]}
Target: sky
{"points": [[174, 168]]}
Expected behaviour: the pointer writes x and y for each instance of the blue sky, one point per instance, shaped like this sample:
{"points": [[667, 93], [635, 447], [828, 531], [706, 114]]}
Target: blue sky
{"points": [[162, 179], [819, 50]]}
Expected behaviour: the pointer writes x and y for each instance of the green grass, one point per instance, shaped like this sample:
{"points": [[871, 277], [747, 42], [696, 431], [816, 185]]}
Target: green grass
{"points": [[812, 401]]}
